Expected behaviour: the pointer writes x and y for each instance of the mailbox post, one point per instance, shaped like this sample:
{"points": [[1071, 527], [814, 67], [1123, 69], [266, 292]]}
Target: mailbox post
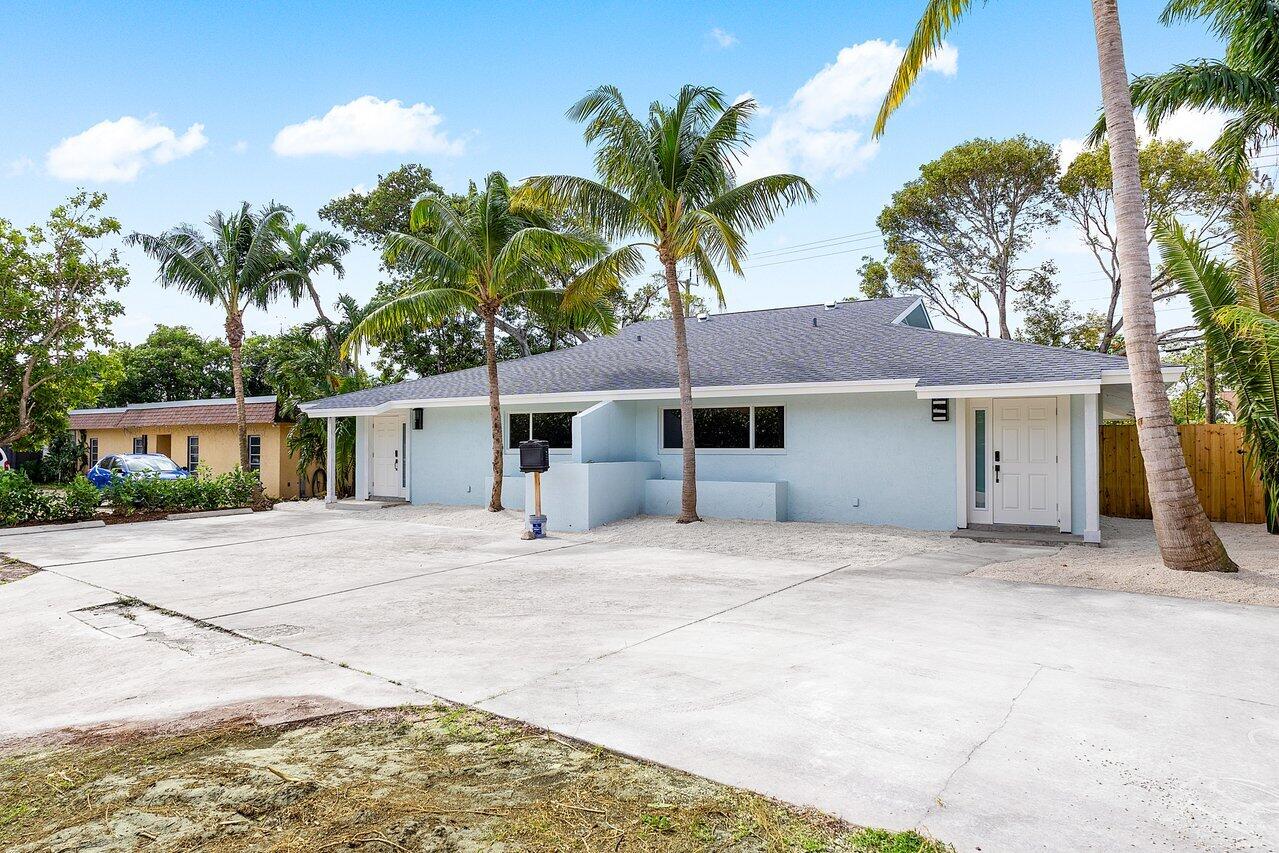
{"points": [[535, 457]]}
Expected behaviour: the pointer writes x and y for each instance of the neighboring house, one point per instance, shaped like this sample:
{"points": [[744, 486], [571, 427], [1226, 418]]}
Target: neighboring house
{"points": [[849, 412], [195, 432]]}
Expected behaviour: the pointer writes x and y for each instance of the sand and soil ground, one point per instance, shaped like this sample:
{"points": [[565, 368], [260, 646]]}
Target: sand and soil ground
{"points": [[1129, 561], [436, 778]]}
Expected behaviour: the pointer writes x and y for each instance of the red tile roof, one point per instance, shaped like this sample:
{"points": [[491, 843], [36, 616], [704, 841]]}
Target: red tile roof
{"points": [[261, 410]]}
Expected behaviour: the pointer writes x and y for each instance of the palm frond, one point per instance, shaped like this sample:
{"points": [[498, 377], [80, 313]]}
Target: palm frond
{"points": [[939, 16], [417, 308]]}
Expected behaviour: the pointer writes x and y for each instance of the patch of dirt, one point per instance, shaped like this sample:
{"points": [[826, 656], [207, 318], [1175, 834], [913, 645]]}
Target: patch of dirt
{"points": [[1129, 562], [14, 570], [413, 779]]}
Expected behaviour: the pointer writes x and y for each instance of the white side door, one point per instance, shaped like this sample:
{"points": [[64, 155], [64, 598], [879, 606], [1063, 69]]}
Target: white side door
{"points": [[1025, 488], [388, 458]]}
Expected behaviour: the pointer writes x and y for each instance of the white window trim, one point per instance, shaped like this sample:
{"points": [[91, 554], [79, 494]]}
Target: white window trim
{"points": [[725, 451], [976, 515]]}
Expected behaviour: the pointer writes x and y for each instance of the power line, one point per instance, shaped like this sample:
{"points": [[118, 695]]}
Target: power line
{"points": [[808, 258], [813, 243], [854, 244]]}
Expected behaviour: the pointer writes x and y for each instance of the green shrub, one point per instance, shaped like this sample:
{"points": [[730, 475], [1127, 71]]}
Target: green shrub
{"points": [[21, 500], [81, 499], [205, 491]]}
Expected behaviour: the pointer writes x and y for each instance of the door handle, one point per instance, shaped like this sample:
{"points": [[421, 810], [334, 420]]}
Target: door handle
{"points": [[397, 460], [996, 473]]}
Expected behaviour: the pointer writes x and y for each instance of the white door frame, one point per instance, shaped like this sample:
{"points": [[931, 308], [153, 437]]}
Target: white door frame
{"points": [[967, 511], [401, 489]]}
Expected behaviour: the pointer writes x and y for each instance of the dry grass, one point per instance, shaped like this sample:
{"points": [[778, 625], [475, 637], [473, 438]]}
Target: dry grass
{"points": [[14, 570], [418, 779]]}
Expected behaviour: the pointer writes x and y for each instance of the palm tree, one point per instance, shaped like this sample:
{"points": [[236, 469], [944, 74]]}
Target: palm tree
{"points": [[490, 255], [1245, 83], [306, 253], [1236, 304], [238, 266], [1186, 538], [671, 182]]}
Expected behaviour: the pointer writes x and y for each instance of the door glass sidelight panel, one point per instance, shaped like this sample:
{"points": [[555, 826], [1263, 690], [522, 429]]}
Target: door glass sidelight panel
{"points": [[979, 458]]}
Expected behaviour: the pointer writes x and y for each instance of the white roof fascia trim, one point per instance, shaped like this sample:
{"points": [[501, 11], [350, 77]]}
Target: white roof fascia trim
{"points": [[712, 392], [1123, 376], [903, 315], [1012, 389]]}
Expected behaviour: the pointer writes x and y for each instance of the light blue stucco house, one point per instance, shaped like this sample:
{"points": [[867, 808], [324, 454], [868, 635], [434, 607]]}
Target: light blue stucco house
{"points": [[846, 412]]}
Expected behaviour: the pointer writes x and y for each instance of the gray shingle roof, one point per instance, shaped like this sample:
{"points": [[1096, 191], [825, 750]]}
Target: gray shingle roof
{"points": [[855, 341]]}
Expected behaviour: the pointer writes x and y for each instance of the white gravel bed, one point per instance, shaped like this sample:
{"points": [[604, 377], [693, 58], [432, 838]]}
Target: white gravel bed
{"points": [[856, 544], [1129, 561]]}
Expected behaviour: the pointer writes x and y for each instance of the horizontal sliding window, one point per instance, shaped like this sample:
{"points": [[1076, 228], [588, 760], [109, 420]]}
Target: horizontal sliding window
{"points": [[728, 428], [555, 428]]}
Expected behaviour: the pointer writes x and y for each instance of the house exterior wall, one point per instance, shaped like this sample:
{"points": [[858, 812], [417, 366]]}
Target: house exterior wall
{"points": [[874, 458], [219, 449]]}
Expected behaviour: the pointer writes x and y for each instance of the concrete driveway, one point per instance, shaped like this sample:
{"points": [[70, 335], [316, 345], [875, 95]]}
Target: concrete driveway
{"points": [[995, 715]]}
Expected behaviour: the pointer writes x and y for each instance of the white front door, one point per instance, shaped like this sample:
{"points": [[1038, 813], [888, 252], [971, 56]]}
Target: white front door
{"points": [[1025, 448], [389, 475]]}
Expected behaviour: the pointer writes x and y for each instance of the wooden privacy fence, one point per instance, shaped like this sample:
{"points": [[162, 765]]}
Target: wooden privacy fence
{"points": [[1216, 457]]}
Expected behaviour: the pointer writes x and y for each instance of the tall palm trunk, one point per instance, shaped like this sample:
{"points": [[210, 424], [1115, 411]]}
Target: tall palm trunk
{"points": [[319, 312], [688, 492], [235, 339], [495, 408], [1186, 538]]}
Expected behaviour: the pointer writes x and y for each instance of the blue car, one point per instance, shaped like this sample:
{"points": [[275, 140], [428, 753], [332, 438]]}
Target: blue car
{"points": [[135, 465]]}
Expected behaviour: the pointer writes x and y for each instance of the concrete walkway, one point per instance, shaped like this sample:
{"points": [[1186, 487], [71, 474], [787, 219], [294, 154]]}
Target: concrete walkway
{"points": [[995, 715]]}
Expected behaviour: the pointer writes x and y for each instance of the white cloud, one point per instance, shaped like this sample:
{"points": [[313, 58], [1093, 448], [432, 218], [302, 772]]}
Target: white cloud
{"points": [[18, 166], [722, 38], [824, 129], [368, 125], [1198, 127], [1067, 150], [119, 150]]}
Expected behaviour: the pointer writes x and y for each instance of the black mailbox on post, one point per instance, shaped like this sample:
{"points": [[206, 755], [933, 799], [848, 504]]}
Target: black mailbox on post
{"points": [[535, 456]]}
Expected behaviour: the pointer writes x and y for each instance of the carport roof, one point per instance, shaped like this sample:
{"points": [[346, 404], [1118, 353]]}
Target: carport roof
{"points": [[862, 341]]}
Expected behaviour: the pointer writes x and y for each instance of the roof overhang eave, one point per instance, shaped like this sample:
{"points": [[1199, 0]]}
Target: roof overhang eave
{"points": [[318, 410]]}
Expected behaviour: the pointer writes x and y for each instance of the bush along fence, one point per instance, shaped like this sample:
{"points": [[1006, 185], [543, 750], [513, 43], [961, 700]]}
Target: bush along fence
{"points": [[21, 501]]}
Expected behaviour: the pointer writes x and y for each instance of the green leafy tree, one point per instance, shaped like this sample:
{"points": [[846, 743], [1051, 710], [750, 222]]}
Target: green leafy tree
{"points": [[957, 233], [56, 308], [238, 266], [1175, 182], [669, 183], [1057, 324], [1187, 540], [370, 216], [1245, 83], [1236, 304], [874, 279], [173, 363], [306, 253], [489, 256]]}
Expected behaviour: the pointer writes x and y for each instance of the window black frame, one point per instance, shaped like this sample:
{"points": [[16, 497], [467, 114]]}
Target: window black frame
{"points": [[670, 416], [93, 452], [514, 436], [141, 438], [193, 460], [255, 456]]}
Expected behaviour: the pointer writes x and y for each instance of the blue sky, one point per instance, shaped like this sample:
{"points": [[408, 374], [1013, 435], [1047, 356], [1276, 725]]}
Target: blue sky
{"points": [[208, 89]]}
